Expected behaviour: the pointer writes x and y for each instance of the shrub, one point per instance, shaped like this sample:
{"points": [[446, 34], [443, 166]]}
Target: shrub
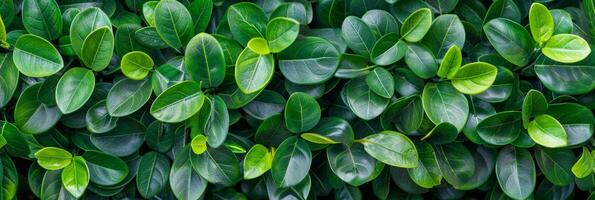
{"points": [[343, 99]]}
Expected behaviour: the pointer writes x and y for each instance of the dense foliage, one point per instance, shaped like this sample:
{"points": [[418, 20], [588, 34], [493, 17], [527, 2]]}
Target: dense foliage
{"points": [[297, 99]]}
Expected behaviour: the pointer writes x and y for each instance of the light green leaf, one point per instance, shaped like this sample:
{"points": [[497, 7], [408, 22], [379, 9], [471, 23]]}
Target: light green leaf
{"points": [[136, 65], [53, 158], [474, 78], [547, 131], [75, 177], [566, 48], [541, 23], [257, 162], [584, 165]]}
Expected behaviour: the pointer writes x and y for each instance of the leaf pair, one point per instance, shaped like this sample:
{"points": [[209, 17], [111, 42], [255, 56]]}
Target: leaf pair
{"points": [[472, 78], [566, 48], [75, 173], [281, 32]]}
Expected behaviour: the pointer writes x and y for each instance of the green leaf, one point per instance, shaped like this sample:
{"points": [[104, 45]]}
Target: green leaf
{"points": [[9, 79], [416, 25], [427, 172], [253, 72], [218, 125], [331, 130], [136, 65], [246, 21], [442, 133], [362, 100], [148, 11], [358, 36], [218, 165], [98, 119], [36, 57], [547, 131], [507, 9], [257, 162], [583, 167], [52, 158], [201, 11], [125, 40], [281, 32], [566, 48], [534, 104], [204, 60], [97, 49], [16, 143], [10, 178], [381, 82], [74, 89], [421, 61], [127, 96], [392, 148], [31, 115], [265, 105], [351, 163], [541, 23], [3, 35], [456, 163], [153, 174], [173, 23], [167, 75], [474, 78], [85, 22], [75, 177], [332, 12], [406, 114], [309, 60], [52, 187], [556, 164], [563, 78], [148, 36], [446, 31], [562, 21], [178, 102], [105, 169], [291, 162], [511, 40], [500, 128], [443, 103], [576, 119], [123, 140], [388, 49], [451, 63], [184, 181], [42, 18], [302, 112], [294, 10], [381, 22], [298, 191], [515, 172]]}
